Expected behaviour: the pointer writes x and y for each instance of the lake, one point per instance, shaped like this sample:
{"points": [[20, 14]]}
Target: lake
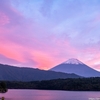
{"points": [[14, 94]]}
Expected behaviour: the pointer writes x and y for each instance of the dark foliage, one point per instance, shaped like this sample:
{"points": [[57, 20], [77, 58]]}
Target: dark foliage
{"points": [[3, 87], [78, 84]]}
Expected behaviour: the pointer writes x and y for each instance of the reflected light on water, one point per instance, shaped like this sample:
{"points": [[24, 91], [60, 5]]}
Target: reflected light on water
{"points": [[48, 95]]}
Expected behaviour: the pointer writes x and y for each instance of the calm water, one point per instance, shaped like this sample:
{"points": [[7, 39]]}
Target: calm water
{"points": [[49, 95]]}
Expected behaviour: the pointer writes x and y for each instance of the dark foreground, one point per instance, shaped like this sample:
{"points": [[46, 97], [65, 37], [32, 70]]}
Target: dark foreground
{"points": [[80, 84], [3, 87]]}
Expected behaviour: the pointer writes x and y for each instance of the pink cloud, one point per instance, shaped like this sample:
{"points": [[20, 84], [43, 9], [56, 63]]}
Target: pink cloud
{"points": [[3, 19], [11, 50], [26, 42], [97, 67]]}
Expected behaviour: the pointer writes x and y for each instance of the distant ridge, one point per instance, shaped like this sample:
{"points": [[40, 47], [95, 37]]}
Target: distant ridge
{"points": [[11, 73], [77, 67]]}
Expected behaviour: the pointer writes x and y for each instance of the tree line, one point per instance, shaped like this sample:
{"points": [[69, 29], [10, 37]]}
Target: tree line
{"points": [[76, 84]]}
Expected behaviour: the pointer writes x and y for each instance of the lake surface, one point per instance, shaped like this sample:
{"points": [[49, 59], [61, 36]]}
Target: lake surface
{"points": [[49, 95]]}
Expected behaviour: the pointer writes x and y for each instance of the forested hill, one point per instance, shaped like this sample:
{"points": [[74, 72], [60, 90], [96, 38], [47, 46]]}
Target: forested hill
{"points": [[12, 73], [78, 84]]}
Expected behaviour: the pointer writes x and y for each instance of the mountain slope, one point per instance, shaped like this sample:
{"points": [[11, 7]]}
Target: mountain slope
{"points": [[77, 67], [11, 73]]}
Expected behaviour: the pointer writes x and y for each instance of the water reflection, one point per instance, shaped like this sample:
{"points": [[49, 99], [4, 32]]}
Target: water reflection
{"points": [[48, 95]]}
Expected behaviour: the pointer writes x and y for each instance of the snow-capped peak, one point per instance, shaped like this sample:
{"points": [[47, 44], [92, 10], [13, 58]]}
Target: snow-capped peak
{"points": [[73, 61]]}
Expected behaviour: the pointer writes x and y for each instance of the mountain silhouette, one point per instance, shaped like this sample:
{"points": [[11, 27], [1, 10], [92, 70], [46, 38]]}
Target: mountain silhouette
{"points": [[77, 67], [12, 73]]}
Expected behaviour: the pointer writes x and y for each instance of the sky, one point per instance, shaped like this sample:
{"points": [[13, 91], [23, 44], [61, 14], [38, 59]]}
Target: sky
{"points": [[44, 33]]}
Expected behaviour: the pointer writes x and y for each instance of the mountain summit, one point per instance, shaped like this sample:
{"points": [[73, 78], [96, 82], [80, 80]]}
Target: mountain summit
{"points": [[73, 61], [77, 67]]}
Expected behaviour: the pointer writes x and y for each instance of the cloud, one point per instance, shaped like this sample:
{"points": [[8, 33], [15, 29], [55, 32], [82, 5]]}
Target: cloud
{"points": [[97, 67], [44, 33], [12, 34], [5, 60]]}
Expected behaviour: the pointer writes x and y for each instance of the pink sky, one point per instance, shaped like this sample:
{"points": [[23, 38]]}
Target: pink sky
{"points": [[45, 33]]}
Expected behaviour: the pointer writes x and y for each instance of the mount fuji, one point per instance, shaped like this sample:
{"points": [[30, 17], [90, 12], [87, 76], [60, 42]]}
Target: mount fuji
{"points": [[77, 67]]}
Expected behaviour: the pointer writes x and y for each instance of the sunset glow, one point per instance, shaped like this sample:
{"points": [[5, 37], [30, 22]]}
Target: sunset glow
{"points": [[45, 33]]}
